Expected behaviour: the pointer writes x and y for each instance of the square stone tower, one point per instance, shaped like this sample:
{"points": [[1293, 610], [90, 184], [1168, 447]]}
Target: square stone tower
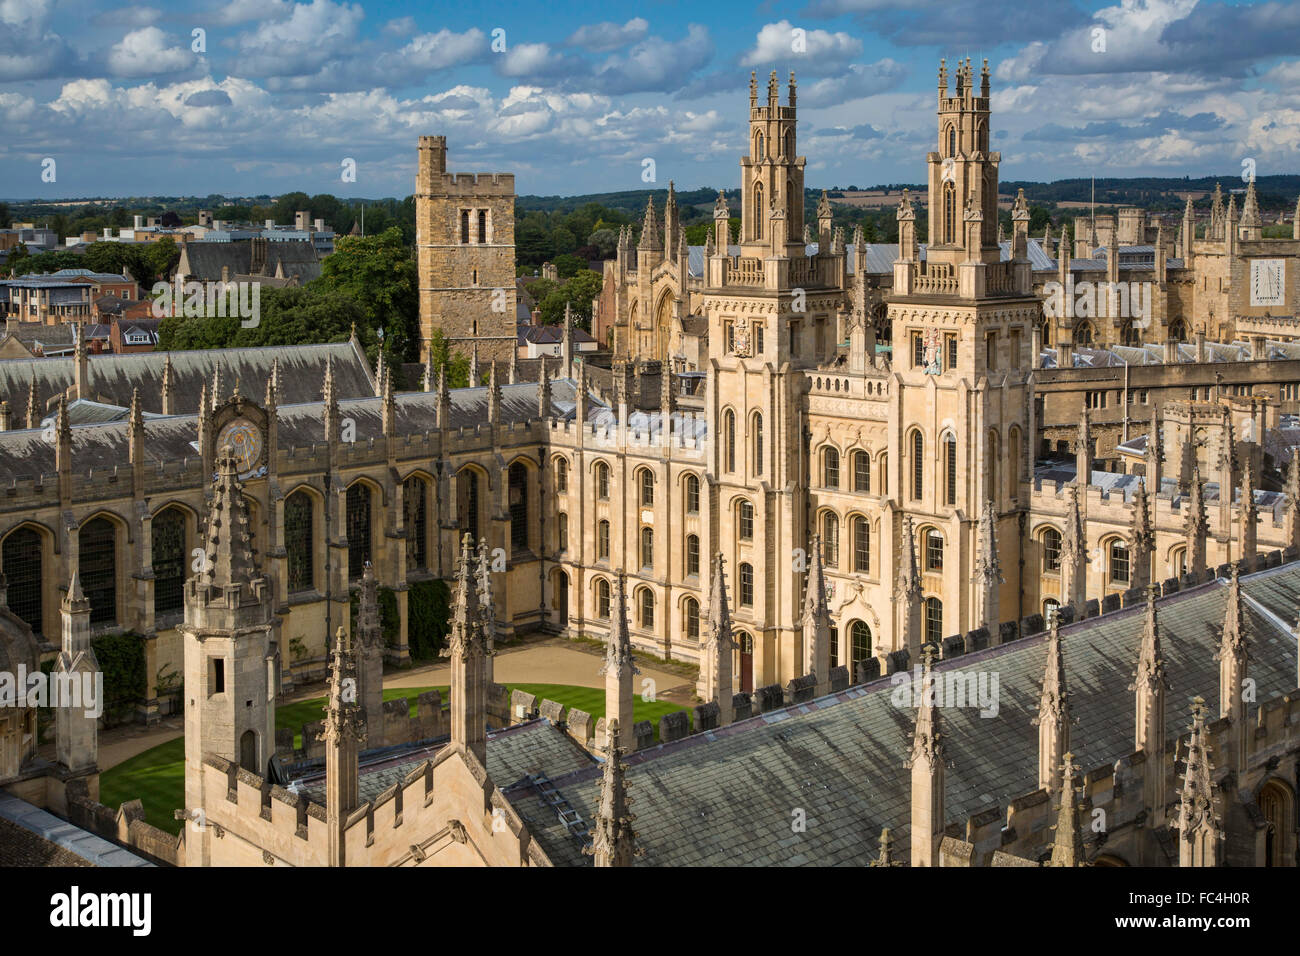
{"points": [[465, 241]]}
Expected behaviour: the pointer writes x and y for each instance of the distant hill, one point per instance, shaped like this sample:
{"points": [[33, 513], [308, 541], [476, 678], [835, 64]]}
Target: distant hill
{"points": [[1155, 192]]}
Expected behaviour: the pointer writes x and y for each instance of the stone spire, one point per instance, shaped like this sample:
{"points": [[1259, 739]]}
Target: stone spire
{"points": [[671, 221], [1067, 842], [544, 409], [652, 239], [988, 573], [343, 733], [475, 379], [512, 370], [1074, 553], [926, 764], [886, 855], [330, 400], [370, 676], [494, 395], [33, 405], [1196, 525], [1151, 685], [444, 400], [715, 674], [168, 387], [135, 429], [907, 594], [428, 381], [1233, 656], [76, 729], [1248, 511], [381, 374], [1251, 227], [817, 623], [1053, 720], [614, 841], [566, 343], [229, 546], [388, 413], [1200, 829], [217, 385], [1154, 453], [467, 648], [1083, 451], [619, 667], [1144, 537], [487, 607], [1293, 501]]}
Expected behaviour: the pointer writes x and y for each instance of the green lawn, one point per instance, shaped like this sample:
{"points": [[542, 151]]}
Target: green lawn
{"points": [[157, 776]]}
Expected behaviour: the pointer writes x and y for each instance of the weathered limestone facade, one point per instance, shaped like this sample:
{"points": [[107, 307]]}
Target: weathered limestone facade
{"points": [[465, 249]]}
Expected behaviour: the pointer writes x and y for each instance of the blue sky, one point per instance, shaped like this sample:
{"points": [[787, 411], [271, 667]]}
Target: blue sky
{"points": [[127, 101]]}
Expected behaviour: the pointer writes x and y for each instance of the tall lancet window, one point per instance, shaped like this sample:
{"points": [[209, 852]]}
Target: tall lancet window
{"points": [[949, 213], [758, 210]]}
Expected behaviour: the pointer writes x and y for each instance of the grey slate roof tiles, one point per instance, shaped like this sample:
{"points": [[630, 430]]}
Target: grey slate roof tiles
{"points": [[729, 797]]}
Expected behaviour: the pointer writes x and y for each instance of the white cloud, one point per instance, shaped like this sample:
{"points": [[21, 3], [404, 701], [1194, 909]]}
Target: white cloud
{"points": [[820, 50], [148, 52], [602, 37], [437, 51]]}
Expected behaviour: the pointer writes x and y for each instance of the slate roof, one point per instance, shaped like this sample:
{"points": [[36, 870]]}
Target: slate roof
{"points": [[537, 746], [113, 377], [206, 259], [728, 797], [30, 836]]}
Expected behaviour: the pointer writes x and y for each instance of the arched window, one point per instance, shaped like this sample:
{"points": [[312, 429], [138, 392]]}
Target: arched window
{"points": [[830, 467], [647, 548], [884, 473], [861, 472], [835, 645], [729, 427], [745, 520], [169, 561], [993, 456], [1276, 803], [299, 532], [562, 531], [692, 495], [647, 488], [602, 540], [602, 481], [248, 752], [950, 469], [647, 607], [860, 641], [861, 544], [758, 444], [602, 598], [1119, 563], [415, 507], [746, 588], [933, 620], [949, 213], [933, 550], [359, 529], [691, 612], [1129, 335], [22, 566], [759, 208], [1014, 463], [789, 144], [952, 141], [692, 555], [97, 569], [918, 464], [482, 225], [518, 492], [1178, 562], [464, 227], [1049, 610], [1178, 331], [561, 476], [758, 149], [467, 482], [1083, 335], [1051, 551], [831, 540]]}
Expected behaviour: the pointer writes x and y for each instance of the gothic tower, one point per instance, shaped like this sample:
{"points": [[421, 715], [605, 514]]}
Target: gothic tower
{"points": [[231, 663], [771, 174], [465, 254]]}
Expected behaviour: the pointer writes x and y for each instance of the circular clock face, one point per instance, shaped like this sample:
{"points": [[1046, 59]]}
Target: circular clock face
{"points": [[245, 442]]}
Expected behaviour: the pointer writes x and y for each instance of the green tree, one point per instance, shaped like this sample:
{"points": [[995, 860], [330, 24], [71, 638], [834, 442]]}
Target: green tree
{"points": [[378, 272], [567, 266], [440, 357]]}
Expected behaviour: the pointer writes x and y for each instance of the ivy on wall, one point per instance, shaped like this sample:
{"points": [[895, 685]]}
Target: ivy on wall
{"points": [[121, 659], [429, 608]]}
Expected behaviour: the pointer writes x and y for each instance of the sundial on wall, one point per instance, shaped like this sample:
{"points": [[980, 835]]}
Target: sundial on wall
{"points": [[244, 439]]}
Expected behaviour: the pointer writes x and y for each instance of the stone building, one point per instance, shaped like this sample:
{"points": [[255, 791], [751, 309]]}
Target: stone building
{"points": [[465, 248], [865, 500]]}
